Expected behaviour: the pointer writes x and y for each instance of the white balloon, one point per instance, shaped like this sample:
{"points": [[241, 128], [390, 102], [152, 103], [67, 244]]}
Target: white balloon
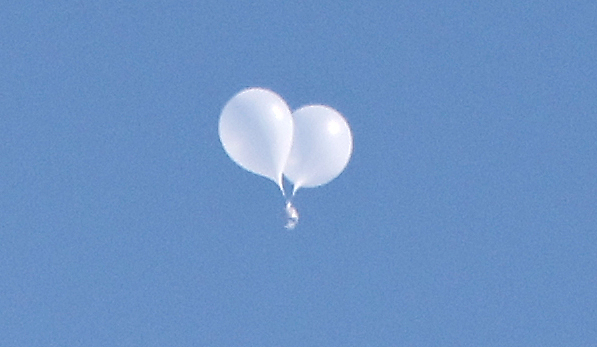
{"points": [[321, 149], [256, 131]]}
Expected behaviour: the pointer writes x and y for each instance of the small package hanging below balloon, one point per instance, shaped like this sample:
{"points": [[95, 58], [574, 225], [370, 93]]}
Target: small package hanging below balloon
{"points": [[292, 216]]}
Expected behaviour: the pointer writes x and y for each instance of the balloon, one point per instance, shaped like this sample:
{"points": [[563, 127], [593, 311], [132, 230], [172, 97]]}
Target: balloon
{"points": [[321, 148], [256, 131]]}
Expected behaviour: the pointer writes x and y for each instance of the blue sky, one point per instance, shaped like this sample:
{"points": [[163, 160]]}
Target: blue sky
{"points": [[467, 215]]}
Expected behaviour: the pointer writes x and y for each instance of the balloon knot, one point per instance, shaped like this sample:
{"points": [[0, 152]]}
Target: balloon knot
{"points": [[292, 216]]}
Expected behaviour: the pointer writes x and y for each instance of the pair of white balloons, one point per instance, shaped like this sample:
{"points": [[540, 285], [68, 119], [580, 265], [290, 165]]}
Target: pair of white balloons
{"points": [[310, 146]]}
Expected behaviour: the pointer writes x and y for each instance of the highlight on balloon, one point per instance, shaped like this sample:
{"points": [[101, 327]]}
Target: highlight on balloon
{"points": [[309, 146]]}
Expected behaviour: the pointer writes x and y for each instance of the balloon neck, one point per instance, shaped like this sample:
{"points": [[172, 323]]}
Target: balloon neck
{"points": [[281, 186], [294, 189]]}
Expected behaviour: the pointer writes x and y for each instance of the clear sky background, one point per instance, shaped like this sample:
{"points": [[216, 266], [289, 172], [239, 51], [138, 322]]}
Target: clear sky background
{"points": [[466, 217]]}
